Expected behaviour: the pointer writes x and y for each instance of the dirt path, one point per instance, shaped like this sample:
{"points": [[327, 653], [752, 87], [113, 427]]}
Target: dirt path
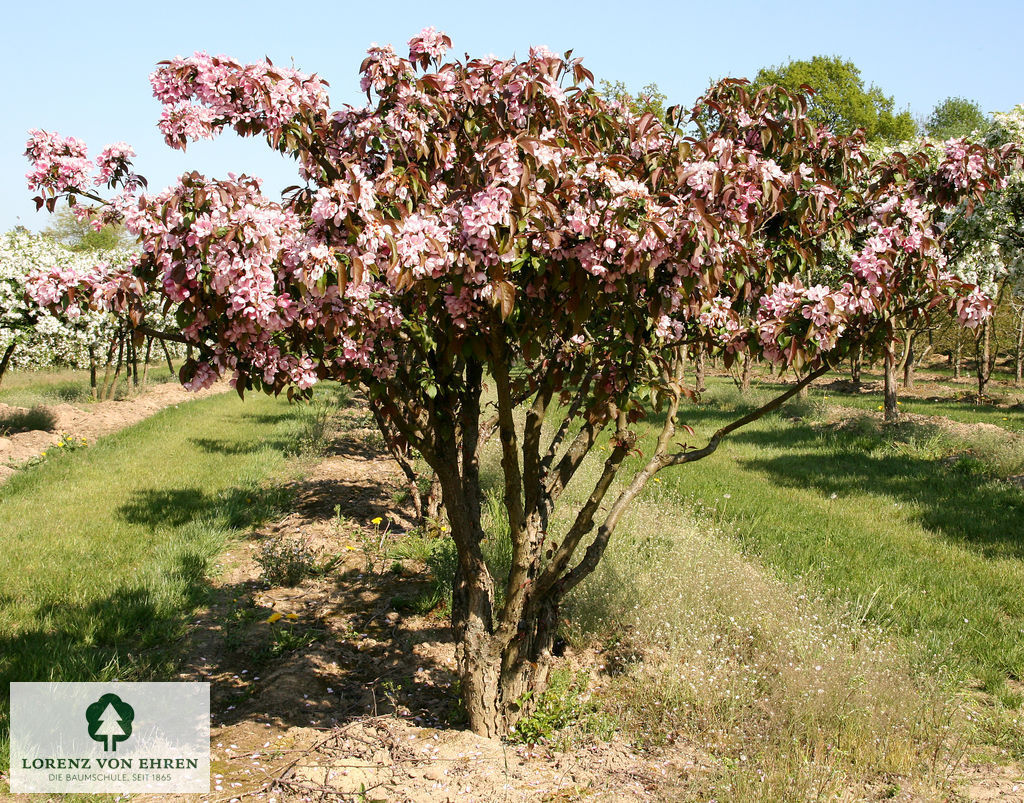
{"points": [[89, 421]]}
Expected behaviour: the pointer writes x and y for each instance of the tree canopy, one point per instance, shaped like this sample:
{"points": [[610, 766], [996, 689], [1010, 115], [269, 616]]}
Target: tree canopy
{"points": [[840, 100], [956, 117]]}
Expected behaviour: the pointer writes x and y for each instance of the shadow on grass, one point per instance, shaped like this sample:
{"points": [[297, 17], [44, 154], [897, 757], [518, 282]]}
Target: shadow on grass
{"points": [[231, 446], [131, 633], [954, 497], [235, 508]]}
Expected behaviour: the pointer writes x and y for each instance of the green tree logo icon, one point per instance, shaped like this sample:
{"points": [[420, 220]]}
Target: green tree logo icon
{"points": [[110, 721]]}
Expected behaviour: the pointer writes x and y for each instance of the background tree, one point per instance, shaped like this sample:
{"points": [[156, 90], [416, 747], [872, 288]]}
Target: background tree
{"points": [[649, 99], [497, 225], [77, 234], [956, 117], [841, 101]]}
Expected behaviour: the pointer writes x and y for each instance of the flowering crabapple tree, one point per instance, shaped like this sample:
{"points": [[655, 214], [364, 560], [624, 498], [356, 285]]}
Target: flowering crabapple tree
{"points": [[487, 223]]}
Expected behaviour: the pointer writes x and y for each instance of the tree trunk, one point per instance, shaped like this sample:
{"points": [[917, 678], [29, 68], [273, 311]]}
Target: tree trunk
{"points": [[111, 391], [983, 360], [145, 364], [908, 362], [957, 357], [698, 372], [115, 340], [892, 412], [502, 678], [856, 366], [745, 375], [167, 355], [6, 359], [497, 671], [92, 370], [432, 508], [400, 452], [135, 364], [1018, 354], [129, 364]]}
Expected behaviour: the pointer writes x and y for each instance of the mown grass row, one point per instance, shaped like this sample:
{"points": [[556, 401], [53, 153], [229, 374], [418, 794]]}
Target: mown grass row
{"points": [[70, 385], [105, 549]]}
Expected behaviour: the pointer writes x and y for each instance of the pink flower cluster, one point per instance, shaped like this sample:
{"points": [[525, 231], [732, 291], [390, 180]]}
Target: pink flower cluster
{"points": [[59, 164], [201, 94], [429, 43], [112, 159], [488, 186], [962, 165]]}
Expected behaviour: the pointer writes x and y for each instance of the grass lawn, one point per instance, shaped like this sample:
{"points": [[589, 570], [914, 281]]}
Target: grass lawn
{"points": [[53, 386], [105, 549], [1007, 413], [930, 545]]}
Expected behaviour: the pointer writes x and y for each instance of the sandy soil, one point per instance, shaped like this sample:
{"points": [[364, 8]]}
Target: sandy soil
{"points": [[89, 421]]}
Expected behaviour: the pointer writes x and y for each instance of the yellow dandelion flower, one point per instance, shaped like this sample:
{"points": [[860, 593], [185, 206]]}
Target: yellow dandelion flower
{"points": [[273, 618], [292, 616], [377, 520]]}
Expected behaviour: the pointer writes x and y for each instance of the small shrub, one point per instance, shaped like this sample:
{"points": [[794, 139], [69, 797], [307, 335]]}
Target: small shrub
{"points": [[563, 714], [37, 418], [311, 440], [288, 561], [68, 392]]}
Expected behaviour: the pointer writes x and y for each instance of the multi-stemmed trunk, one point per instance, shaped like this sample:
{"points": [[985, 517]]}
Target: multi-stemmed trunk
{"points": [[505, 628]]}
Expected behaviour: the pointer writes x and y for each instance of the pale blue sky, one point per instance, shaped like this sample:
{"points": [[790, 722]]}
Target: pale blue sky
{"points": [[82, 68]]}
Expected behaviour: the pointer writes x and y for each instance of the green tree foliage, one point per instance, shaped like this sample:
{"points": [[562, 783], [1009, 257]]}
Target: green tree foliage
{"points": [[648, 99], [956, 117], [841, 101], [79, 235]]}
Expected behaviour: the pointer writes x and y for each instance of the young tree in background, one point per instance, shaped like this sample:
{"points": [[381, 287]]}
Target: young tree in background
{"points": [[956, 117]]}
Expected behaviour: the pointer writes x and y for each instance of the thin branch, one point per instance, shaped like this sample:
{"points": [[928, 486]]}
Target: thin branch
{"points": [[657, 462]]}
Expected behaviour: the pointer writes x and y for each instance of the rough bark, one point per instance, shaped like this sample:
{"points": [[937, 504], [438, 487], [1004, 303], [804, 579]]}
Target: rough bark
{"points": [[698, 373]]}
